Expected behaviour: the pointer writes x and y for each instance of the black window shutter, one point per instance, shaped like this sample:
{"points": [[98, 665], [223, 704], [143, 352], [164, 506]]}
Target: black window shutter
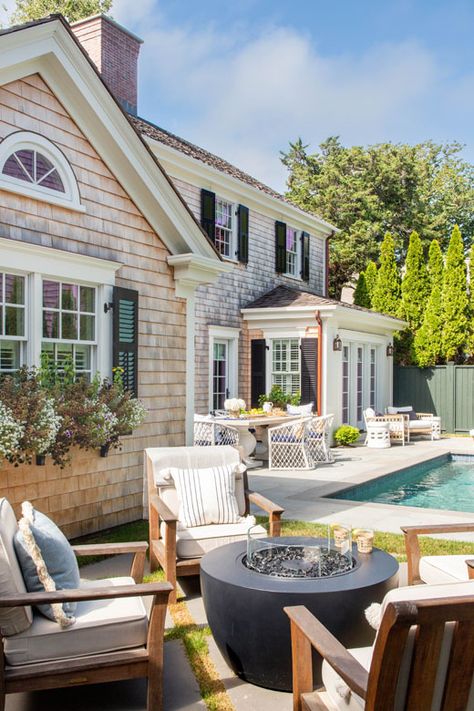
{"points": [[208, 213], [305, 256], [309, 371], [280, 247], [257, 369], [243, 234], [125, 336]]}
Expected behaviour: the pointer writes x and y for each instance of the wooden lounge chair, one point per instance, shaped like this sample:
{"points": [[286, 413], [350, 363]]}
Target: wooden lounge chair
{"points": [[438, 568], [422, 658], [111, 639], [175, 547]]}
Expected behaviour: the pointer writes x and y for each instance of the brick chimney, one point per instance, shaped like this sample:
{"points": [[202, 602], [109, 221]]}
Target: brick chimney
{"points": [[114, 50]]}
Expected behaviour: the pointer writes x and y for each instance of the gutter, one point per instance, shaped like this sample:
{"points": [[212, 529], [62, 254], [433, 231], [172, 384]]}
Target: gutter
{"points": [[319, 374]]}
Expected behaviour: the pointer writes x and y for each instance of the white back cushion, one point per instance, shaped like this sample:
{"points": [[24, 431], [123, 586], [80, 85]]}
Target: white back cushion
{"points": [[300, 409], [12, 619]]}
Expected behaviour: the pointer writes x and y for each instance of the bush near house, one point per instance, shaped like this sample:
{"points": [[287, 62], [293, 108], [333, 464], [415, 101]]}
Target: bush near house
{"points": [[346, 435]]}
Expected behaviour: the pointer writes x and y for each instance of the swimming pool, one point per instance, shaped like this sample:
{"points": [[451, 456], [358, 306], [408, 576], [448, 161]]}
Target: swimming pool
{"points": [[446, 482]]}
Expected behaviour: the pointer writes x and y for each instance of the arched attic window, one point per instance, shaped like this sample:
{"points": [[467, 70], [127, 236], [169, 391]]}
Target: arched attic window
{"points": [[33, 166]]}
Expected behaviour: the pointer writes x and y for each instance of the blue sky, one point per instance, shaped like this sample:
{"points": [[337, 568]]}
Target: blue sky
{"points": [[243, 78]]}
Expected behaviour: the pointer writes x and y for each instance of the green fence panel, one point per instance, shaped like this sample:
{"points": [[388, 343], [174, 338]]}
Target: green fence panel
{"points": [[445, 390]]}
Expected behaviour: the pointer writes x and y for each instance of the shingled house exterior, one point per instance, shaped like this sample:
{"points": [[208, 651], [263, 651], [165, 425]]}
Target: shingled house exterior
{"points": [[267, 318]]}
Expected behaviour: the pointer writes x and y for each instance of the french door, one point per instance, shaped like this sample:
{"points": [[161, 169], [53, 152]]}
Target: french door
{"points": [[359, 381], [220, 374]]}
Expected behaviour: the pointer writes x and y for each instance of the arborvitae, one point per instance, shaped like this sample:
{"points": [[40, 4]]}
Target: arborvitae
{"points": [[370, 279], [454, 299], [386, 294], [415, 284], [361, 294], [471, 304], [428, 344]]}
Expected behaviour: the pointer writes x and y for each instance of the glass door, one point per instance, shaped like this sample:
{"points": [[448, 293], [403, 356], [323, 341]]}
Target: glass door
{"points": [[345, 385], [220, 374], [360, 386]]}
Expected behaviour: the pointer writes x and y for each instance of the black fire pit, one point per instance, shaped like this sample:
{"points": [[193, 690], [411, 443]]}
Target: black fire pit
{"points": [[244, 607]]}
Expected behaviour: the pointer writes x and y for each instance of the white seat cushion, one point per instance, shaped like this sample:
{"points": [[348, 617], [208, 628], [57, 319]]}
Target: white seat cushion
{"points": [[101, 626], [436, 569], [196, 541], [420, 424], [335, 686]]}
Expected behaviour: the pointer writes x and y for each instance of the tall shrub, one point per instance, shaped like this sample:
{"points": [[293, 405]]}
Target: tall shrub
{"points": [[361, 294], [428, 343], [454, 299], [415, 288], [471, 304], [386, 295], [370, 279]]}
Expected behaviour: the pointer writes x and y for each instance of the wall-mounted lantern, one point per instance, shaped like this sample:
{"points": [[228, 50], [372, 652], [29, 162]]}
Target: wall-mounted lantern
{"points": [[337, 344], [390, 350]]}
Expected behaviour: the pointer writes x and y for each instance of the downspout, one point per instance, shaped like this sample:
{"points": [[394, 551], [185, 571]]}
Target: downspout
{"points": [[320, 362]]}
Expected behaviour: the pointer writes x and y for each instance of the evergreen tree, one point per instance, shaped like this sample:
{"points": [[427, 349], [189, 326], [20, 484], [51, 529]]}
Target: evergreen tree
{"points": [[415, 288], [428, 344], [370, 279], [361, 294], [386, 295], [454, 299], [471, 304], [72, 10]]}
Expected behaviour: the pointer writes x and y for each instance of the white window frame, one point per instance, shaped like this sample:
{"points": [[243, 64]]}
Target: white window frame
{"points": [[369, 344], [38, 263], [233, 230], [231, 336], [297, 253], [270, 371], [27, 140], [22, 339]]}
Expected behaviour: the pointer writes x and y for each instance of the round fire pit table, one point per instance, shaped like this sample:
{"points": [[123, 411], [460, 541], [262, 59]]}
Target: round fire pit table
{"points": [[244, 608]]}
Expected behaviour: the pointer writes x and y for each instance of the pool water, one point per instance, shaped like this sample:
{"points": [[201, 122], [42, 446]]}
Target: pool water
{"points": [[446, 482]]}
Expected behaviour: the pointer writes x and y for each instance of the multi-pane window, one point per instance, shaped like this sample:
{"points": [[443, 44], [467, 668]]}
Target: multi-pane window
{"points": [[286, 364], [69, 324], [345, 385], [359, 382], [12, 321], [219, 375], [292, 252], [373, 366], [33, 167], [225, 223]]}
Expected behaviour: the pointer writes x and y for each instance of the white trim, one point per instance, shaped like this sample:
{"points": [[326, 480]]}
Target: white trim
{"points": [[202, 175], [191, 270], [231, 337], [28, 140], [56, 263]]}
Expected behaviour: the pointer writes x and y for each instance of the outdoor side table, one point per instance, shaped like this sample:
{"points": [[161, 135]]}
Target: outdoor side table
{"points": [[378, 435]]}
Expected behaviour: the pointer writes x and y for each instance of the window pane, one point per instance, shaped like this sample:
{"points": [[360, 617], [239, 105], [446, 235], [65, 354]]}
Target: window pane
{"points": [[9, 355], [12, 167], [64, 354], [14, 289], [88, 299], [14, 321], [68, 326], [51, 294], [53, 182], [26, 159], [82, 357], [50, 324], [69, 294], [43, 166], [87, 328]]}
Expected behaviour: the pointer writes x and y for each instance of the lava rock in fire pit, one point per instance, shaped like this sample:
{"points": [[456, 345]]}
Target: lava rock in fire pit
{"points": [[297, 562]]}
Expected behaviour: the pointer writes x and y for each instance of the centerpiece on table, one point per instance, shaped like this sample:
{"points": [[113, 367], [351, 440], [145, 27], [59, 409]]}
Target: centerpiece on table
{"points": [[234, 406]]}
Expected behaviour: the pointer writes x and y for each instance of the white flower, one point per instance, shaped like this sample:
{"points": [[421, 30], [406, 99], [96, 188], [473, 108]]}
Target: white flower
{"points": [[11, 432], [234, 403], [48, 423]]}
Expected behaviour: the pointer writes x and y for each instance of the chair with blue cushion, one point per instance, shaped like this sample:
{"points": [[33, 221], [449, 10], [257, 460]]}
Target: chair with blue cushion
{"points": [[319, 439], [288, 445]]}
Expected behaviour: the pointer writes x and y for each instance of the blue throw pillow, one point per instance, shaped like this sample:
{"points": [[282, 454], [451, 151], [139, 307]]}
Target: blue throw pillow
{"points": [[47, 561]]}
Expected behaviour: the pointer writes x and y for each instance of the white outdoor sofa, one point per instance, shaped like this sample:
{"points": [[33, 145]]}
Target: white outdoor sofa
{"points": [[418, 423]]}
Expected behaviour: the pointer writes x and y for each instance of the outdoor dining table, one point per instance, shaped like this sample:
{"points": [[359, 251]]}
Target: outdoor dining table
{"points": [[247, 440]]}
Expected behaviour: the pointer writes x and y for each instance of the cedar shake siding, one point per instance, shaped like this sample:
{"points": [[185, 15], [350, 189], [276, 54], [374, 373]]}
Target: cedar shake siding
{"points": [[219, 304], [96, 492]]}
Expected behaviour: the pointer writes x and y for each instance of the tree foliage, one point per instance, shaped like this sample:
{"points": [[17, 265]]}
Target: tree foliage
{"points": [[428, 342], [367, 191], [370, 279], [471, 304], [386, 294], [73, 10], [415, 288], [455, 299], [361, 293]]}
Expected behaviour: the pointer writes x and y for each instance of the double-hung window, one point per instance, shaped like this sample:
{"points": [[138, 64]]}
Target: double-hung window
{"points": [[225, 228], [286, 367], [293, 252], [12, 321], [69, 324]]}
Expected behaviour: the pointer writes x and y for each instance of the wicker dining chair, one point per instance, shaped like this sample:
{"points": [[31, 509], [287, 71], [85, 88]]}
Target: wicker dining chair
{"points": [[319, 439], [209, 433], [288, 445]]}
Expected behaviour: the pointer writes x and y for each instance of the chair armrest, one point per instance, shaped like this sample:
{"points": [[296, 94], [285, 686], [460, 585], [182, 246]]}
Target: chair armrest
{"points": [[162, 590], [304, 624], [470, 569], [110, 548], [162, 509], [412, 543], [424, 415], [438, 528], [262, 502]]}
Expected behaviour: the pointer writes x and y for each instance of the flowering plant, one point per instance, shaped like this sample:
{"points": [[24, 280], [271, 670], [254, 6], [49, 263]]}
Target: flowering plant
{"points": [[234, 404], [11, 432]]}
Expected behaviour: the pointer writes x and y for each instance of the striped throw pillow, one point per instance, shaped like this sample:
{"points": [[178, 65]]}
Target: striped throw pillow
{"points": [[206, 495]]}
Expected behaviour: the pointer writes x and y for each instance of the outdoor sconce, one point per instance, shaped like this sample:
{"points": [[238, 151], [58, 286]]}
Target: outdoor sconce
{"points": [[337, 344], [390, 350]]}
